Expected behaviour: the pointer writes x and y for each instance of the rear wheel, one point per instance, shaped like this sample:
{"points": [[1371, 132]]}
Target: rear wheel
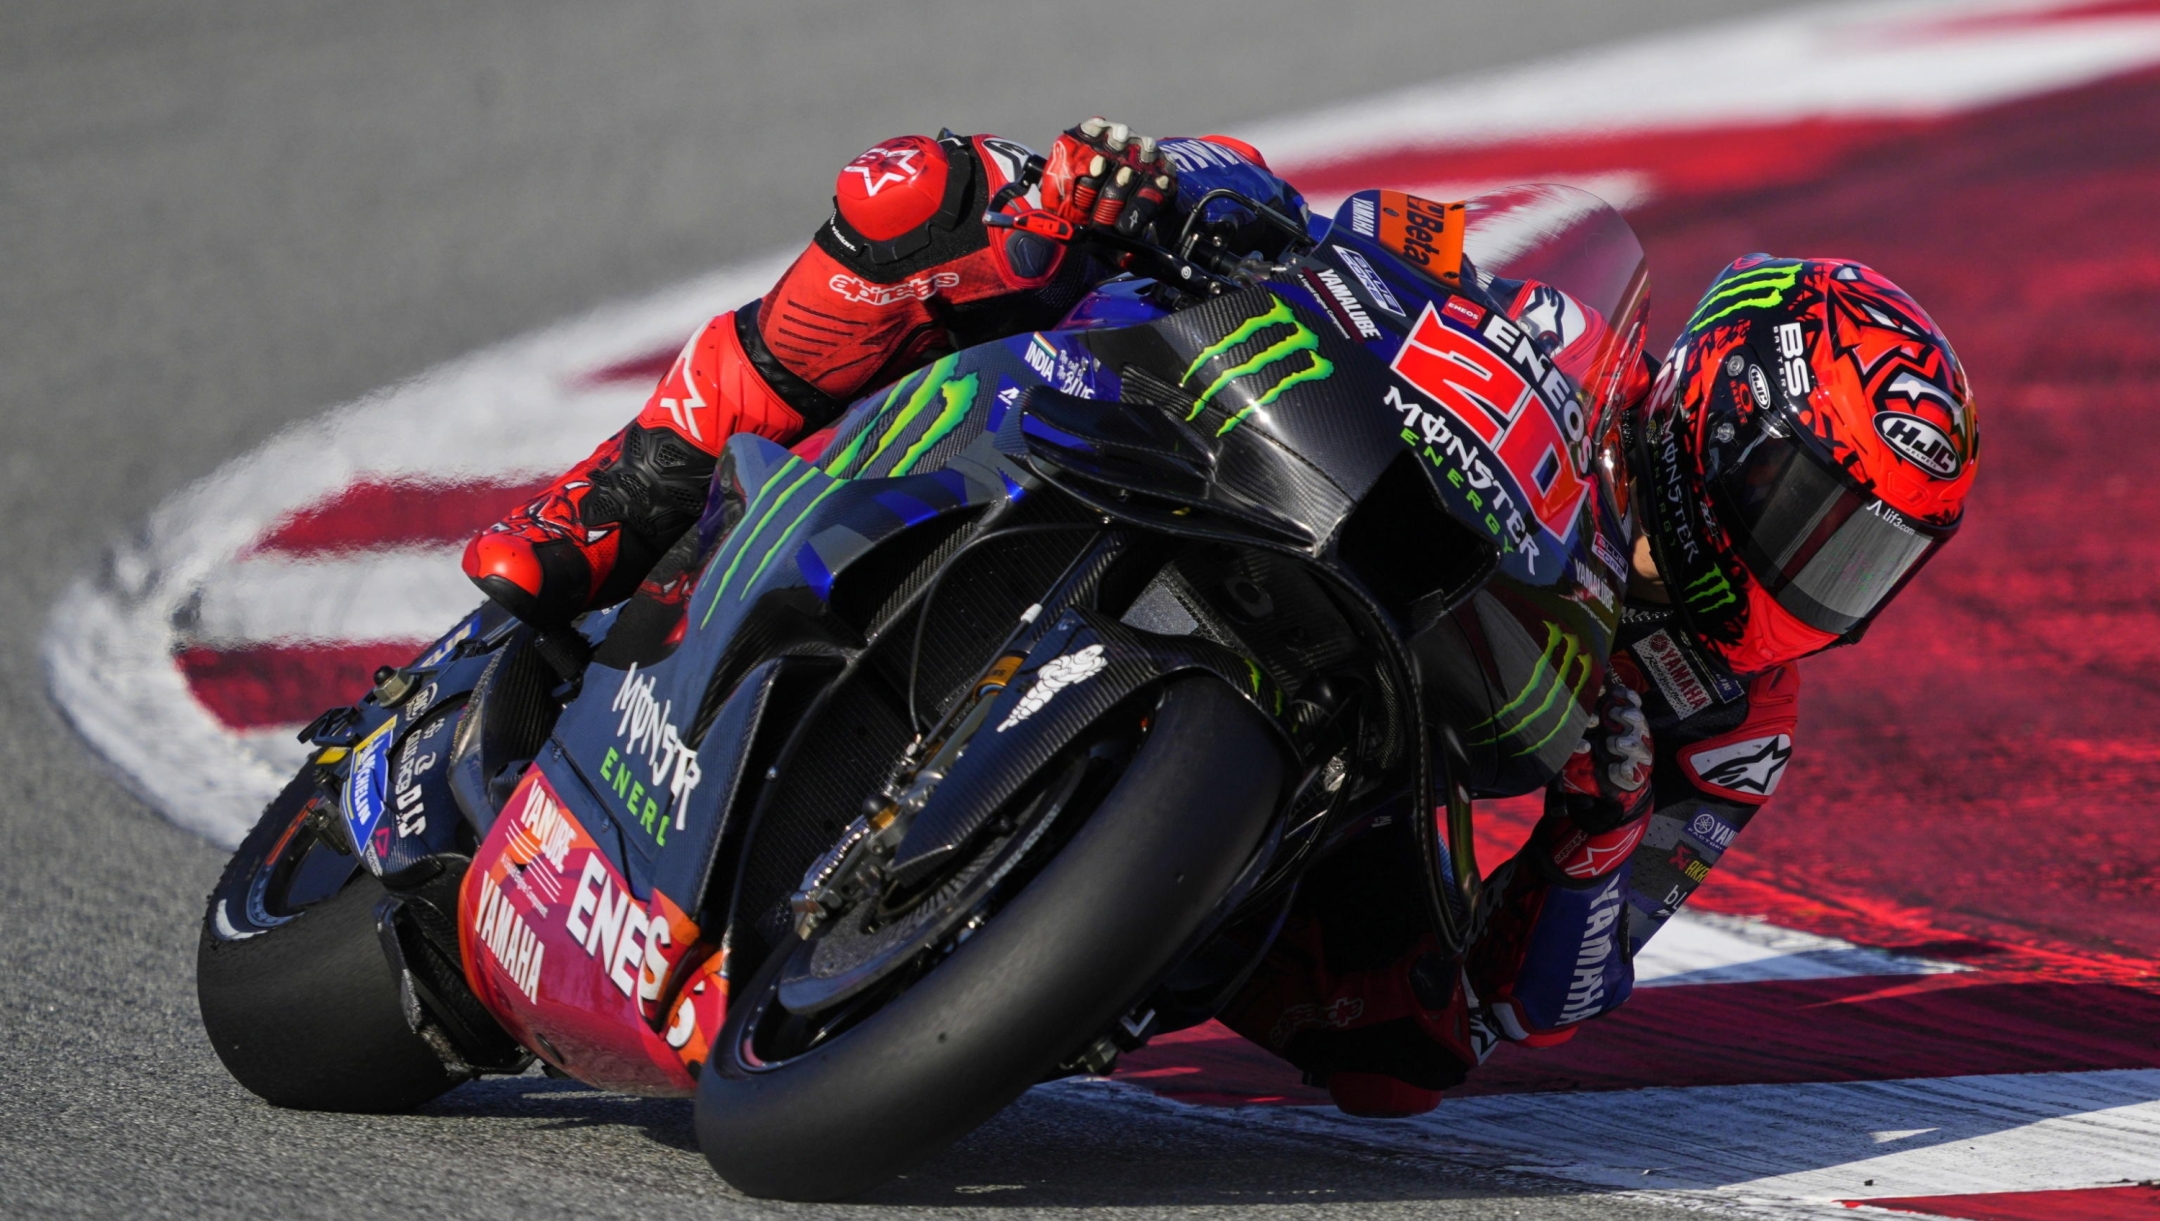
{"points": [[825, 1104], [297, 994]]}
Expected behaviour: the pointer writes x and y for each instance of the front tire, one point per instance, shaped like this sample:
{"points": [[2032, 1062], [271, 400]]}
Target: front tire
{"points": [[298, 997], [1044, 976]]}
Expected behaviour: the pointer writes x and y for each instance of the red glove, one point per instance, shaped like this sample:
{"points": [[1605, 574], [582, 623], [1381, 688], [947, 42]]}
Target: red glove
{"points": [[1101, 175], [1594, 811]]}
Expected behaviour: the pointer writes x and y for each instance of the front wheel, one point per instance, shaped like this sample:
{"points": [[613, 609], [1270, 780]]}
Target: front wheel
{"points": [[297, 996], [1035, 981]]}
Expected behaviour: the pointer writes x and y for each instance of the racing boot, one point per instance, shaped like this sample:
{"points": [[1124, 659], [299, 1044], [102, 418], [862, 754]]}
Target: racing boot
{"points": [[590, 538], [1357, 994]]}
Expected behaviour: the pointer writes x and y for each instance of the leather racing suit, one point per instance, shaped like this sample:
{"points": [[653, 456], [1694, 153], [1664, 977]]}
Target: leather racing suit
{"points": [[1354, 991]]}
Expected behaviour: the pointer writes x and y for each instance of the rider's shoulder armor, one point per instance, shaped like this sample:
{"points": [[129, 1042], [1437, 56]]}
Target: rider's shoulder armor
{"points": [[906, 205]]}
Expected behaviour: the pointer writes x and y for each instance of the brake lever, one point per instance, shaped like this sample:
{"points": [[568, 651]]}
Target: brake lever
{"points": [[1189, 275]]}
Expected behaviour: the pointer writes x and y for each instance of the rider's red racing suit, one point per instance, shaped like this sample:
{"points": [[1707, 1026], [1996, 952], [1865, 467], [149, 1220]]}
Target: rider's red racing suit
{"points": [[905, 269]]}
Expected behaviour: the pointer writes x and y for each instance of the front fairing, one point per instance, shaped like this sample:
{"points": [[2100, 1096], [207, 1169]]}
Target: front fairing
{"points": [[1286, 405]]}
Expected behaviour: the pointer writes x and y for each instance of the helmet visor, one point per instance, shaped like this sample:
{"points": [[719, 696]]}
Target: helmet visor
{"points": [[1829, 554]]}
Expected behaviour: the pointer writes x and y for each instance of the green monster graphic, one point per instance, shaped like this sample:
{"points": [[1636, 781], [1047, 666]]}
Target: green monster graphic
{"points": [[1300, 339], [1755, 288], [1709, 591], [954, 398], [1562, 669]]}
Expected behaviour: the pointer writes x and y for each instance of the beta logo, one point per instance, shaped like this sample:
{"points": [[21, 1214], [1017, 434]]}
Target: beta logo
{"points": [[1747, 771], [1919, 442]]}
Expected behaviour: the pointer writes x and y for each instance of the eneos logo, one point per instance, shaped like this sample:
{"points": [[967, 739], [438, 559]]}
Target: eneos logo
{"points": [[1518, 404]]}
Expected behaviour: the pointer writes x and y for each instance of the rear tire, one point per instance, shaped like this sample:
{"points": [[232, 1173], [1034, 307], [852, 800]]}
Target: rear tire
{"points": [[1044, 976], [301, 1003]]}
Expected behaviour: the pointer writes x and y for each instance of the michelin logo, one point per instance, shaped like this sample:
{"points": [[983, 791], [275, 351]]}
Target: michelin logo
{"points": [[1068, 671]]}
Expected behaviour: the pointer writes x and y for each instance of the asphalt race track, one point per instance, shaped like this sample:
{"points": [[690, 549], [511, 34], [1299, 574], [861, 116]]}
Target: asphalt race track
{"points": [[220, 224], [222, 218]]}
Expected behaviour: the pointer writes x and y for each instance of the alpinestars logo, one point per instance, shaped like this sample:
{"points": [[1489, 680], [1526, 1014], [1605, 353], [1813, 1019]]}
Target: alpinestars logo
{"points": [[1057, 674], [1749, 769], [1278, 359], [882, 167], [679, 394], [917, 288]]}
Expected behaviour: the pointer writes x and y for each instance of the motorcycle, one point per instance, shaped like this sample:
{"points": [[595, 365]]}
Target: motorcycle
{"points": [[995, 738]]}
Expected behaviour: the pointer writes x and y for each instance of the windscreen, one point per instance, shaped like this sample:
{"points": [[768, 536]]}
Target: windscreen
{"points": [[1568, 239]]}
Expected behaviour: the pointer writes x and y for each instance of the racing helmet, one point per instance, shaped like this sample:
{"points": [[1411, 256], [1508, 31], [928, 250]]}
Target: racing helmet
{"points": [[1806, 449]]}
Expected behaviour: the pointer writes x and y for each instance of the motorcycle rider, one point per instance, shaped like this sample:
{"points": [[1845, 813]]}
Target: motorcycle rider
{"points": [[1805, 448], [1807, 445]]}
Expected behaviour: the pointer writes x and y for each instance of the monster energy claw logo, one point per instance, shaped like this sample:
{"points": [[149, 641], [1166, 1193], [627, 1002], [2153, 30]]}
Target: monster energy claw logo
{"points": [[1300, 339], [1564, 667], [1710, 591], [1755, 288]]}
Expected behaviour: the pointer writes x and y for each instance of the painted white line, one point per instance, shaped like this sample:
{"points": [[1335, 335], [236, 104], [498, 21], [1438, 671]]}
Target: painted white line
{"points": [[518, 406], [1778, 1146], [1868, 60], [1706, 948], [406, 594]]}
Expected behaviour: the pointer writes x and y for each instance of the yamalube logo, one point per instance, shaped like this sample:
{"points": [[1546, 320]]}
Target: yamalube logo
{"points": [[1920, 443], [1057, 674], [1751, 767]]}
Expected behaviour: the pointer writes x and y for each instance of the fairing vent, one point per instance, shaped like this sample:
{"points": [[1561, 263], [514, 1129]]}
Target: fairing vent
{"points": [[1414, 556]]}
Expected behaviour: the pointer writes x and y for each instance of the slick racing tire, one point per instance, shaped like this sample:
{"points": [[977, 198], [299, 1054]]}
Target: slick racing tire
{"points": [[1046, 975], [298, 997]]}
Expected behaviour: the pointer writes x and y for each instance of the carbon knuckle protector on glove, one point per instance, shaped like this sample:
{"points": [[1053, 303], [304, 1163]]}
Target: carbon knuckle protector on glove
{"points": [[1606, 782], [1102, 175]]}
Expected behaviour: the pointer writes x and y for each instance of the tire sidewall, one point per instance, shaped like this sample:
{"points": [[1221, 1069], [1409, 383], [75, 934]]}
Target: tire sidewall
{"points": [[308, 1012], [1048, 973]]}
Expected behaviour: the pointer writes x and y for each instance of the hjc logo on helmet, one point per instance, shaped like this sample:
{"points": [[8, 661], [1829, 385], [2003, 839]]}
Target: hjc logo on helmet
{"points": [[1919, 443]]}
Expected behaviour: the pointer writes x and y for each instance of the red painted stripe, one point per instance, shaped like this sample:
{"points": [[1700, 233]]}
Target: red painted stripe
{"points": [[379, 513], [645, 370], [1870, 1028], [2100, 10], [270, 686], [1685, 161], [2089, 1204]]}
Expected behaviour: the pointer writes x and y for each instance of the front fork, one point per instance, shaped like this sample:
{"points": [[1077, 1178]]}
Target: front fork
{"points": [[853, 870]]}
